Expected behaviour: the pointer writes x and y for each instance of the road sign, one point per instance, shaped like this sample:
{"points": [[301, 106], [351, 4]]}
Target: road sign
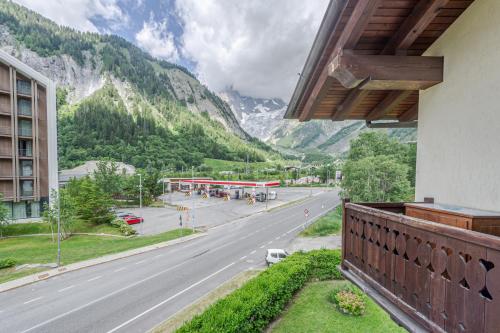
{"points": [[306, 212]]}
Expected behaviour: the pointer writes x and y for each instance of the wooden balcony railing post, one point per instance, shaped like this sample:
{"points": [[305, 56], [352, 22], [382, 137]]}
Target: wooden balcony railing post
{"points": [[344, 201]]}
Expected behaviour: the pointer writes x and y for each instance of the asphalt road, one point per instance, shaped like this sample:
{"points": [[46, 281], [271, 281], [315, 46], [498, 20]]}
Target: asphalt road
{"points": [[135, 294]]}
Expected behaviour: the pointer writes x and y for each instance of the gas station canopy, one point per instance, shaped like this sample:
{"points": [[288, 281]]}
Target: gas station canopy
{"points": [[232, 183]]}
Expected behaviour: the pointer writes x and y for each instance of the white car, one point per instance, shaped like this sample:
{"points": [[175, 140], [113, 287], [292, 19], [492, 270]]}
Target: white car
{"points": [[274, 256]]}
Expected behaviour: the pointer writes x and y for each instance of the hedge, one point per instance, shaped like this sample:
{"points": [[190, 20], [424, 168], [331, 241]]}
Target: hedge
{"points": [[7, 262], [253, 306]]}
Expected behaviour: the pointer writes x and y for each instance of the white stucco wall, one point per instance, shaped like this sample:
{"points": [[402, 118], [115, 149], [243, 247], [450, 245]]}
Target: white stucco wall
{"points": [[458, 158]]}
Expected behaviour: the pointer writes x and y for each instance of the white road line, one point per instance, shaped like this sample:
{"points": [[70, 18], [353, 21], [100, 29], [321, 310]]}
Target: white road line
{"points": [[243, 258], [158, 256], [33, 300], [120, 269], [277, 237], [67, 288], [253, 251], [140, 262], [262, 246], [171, 298], [95, 278], [270, 242], [48, 321]]}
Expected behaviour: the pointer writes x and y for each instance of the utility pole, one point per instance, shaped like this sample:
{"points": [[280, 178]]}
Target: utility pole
{"points": [[192, 194], [140, 199], [58, 224]]}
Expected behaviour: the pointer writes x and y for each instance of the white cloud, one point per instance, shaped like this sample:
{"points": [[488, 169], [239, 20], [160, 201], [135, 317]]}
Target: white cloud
{"points": [[155, 39], [257, 47], [78, 13]]}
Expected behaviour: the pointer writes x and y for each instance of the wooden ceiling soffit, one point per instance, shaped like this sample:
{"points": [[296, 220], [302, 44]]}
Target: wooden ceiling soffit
{"points": [[388, 103], [353, 99], [410, 114], [386, 72], [359, 19], [424, 12]]}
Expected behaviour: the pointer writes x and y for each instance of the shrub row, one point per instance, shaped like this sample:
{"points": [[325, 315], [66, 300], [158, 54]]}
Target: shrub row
{"points": [[253, 306], [7, 262], [123, 226]]}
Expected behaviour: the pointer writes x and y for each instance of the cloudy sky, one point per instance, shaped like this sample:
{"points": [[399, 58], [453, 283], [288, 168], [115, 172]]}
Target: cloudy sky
{"points": [[254, 46]]}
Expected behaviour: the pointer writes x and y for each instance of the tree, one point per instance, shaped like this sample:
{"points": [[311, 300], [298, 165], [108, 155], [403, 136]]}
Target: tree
{"points": [[376, 179], [67, 213], [4, 216], [378, 169], [90, 203], [108, 177]]}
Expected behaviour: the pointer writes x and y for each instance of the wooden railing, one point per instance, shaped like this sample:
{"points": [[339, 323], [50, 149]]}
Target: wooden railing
{"points": [[446, 279]]}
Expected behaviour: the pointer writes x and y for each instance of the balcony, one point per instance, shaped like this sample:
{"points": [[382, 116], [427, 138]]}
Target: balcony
{"points": [[5, 131], [443, 278], [26, 193]]}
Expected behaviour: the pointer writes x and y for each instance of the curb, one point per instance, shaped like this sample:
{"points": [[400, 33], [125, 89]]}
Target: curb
{"points": [[91, 262]]}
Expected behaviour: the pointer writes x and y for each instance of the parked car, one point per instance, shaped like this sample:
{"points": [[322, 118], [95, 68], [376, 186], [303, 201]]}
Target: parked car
{"points": [[121, 215], [274, 256], [132, 219], [273, 195], [261, 196]]}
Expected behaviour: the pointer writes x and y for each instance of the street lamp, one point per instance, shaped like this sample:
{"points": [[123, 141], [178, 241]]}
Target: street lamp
{"points": [[140, 199], [58, 221]]}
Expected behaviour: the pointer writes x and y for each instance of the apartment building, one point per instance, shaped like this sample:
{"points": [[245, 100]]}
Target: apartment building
{"points": [[28, 138]]}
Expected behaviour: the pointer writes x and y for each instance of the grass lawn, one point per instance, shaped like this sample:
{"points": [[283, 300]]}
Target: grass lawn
{"points": [[28, 250], [330, 224], [17, 229], [312, 312]]}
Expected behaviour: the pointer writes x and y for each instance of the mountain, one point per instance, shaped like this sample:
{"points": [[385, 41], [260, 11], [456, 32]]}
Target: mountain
{"points": [[316, 139], [257, 116], [115, 100]]}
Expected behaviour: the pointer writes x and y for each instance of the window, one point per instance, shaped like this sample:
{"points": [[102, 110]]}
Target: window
{"points": [[26, 188], [282, 255], [24, 87], [25, 148], [24, 107], [25, 127], [274, 255], [26, 168]]}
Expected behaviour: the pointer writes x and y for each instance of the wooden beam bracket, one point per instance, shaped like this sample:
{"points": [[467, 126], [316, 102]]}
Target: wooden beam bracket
{"points": [[386, 72]]}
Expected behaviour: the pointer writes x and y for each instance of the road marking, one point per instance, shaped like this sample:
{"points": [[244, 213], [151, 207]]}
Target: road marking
{"points": [[171, 298], [243, 258], [158, 256], [253, 251], [120, 269], [48, 321], [33, 300], [140, 262], [67, 288], [270, 242], [95, 278], [277, 237], [262, 246]]}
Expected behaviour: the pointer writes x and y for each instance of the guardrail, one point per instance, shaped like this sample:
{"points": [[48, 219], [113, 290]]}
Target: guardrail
{"points": [[446, 279]]}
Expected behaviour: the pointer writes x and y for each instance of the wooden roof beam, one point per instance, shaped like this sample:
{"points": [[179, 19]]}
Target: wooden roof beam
{"points": [[410, 114], [388, 103], [386, 72], [424, 13], [353, 99], [350, 35]]}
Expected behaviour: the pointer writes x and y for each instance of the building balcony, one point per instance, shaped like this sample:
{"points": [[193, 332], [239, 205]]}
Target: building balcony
{"points": [[24, 87], [442, 278], [5, 131], [7, 195]]}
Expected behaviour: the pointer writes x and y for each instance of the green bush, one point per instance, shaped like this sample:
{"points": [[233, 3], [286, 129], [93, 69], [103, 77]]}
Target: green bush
{"points": [[7, 262], [259, 301], [324, 264], [349, 300], [123, 226]]}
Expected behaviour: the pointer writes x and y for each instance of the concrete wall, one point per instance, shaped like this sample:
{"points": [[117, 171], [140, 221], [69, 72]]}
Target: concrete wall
{"points": [[458, 159]]}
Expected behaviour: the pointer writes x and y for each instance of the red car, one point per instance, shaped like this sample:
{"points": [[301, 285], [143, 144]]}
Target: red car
{"points": [[132, 219]]}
